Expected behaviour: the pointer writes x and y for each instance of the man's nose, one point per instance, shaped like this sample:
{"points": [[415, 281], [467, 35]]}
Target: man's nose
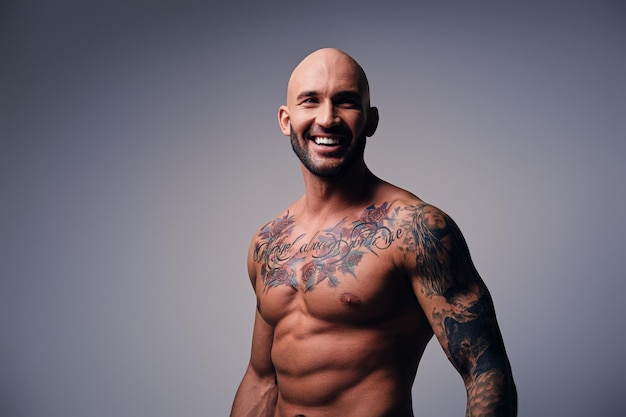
{"points": [[327, 115]]}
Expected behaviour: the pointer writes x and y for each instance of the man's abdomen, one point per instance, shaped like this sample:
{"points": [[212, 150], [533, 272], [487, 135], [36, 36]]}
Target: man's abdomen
{"points": [[341, 369]]}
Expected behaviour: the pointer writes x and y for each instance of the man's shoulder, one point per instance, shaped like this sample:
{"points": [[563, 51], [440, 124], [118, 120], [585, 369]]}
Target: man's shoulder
{"points": [[280, 222], [417, 218], [407, 203], [268, 234], [403, 202], [417, 213]]}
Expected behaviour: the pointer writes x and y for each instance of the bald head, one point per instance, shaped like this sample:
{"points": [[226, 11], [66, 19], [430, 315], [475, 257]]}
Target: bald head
{"points": [[324, 66]]}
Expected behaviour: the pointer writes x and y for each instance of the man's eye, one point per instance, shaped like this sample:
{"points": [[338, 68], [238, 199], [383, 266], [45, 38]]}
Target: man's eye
{"points": [[349, 104]]}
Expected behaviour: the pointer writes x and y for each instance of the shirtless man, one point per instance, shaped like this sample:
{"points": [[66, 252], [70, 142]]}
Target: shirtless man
{"points": [[354, 278]]}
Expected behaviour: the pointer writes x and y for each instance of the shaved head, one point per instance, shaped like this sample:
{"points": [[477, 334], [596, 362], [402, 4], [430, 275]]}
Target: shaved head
{"points": [[324, 62]]}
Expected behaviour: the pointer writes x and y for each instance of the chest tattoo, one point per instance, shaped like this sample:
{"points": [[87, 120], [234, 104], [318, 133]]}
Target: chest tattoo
{"points": [[326, 255]]}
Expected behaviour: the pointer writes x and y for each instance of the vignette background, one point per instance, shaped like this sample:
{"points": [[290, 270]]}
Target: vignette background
{"points": [[140, 150]]}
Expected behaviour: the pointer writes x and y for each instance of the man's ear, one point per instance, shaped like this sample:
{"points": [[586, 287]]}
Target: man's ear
{"points": [[372, 121], [284, 121]]}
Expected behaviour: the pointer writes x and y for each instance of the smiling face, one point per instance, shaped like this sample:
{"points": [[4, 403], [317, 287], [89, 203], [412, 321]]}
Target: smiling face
{"points": [[328, 115]]}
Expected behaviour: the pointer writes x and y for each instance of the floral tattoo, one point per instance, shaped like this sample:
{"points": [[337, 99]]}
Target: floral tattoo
{"points": [[333, 252]]}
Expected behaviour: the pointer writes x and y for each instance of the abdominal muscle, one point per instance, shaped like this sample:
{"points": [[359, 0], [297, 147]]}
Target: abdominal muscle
{"points": [[329, 369]]}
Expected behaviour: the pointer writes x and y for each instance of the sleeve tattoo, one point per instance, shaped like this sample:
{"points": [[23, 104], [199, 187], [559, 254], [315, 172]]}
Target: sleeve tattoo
{"points": [[464, 321]]}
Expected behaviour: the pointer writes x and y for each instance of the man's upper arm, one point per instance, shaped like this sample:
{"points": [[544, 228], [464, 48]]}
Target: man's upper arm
{"points": [[263, 333], [261, 352], [257, 392], [456, 302]]}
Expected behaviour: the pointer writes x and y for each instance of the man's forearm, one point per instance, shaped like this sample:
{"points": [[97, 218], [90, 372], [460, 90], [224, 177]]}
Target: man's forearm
{"points": [[255, 399], [492, 394]]}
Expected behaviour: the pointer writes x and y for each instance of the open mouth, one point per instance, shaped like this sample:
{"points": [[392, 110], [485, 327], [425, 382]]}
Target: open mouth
{"points": [[326, 141]]}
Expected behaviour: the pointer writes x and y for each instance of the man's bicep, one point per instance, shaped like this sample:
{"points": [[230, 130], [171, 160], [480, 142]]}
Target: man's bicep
{"points": [[450, 290], [261, 353]]}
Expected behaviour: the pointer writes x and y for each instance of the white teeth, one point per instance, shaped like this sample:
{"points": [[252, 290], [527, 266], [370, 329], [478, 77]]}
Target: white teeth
{"points": [[326, 141]]}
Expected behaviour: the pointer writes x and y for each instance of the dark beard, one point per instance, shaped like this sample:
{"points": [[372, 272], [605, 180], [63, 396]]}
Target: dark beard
{"points": [[351, 157]]}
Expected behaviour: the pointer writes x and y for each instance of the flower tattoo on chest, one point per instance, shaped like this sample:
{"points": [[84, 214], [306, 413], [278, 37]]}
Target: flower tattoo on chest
{"points": [[326, 255]]}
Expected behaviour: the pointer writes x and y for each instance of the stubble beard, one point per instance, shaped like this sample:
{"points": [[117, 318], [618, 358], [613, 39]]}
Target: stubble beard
{"points": [[352, 155]]}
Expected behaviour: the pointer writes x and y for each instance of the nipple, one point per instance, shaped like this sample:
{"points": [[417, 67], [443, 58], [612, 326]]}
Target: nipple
{"points": [[350, 299]]}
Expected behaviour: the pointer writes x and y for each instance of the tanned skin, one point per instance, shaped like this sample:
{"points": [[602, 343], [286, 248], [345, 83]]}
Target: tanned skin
{"points": [[354, 278]]}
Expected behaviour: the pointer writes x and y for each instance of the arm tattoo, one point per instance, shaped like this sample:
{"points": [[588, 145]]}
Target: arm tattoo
{"points": [[471, 342], [441, 255], [465, 323]]}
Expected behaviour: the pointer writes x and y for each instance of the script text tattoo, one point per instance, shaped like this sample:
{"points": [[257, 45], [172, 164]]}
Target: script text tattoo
{"points": [[332, 253]]}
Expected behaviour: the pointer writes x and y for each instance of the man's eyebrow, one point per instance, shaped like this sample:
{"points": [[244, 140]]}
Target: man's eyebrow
{"points": [[355, 95], [304, 94]]}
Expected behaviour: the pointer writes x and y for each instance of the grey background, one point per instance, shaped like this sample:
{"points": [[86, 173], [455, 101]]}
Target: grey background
{"points": [[139, 152]]}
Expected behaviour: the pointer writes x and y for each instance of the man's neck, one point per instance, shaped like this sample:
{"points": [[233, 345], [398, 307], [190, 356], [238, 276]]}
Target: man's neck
{"points": [[328, 196]]}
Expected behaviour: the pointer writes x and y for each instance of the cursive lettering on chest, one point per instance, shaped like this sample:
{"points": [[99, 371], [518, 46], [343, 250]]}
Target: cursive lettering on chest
{"points": [[332, 253]]}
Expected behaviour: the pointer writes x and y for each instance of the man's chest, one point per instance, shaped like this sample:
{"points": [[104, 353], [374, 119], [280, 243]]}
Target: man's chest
{"points": [[344, 268], [290, 254]]}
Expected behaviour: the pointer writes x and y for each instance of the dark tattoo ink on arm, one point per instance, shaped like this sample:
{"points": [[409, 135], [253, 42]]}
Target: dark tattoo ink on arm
{"points": [[465, 322]]}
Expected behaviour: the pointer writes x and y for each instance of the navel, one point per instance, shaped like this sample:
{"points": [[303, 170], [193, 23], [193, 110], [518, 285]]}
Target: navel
{"points": [[350, 299]]}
